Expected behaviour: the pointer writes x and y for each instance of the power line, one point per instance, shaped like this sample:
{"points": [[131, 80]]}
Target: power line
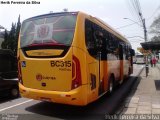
{"points": [[131, 9], [134, 8], [138, 11], [135, 36], [126, 26], [137, 8], [156, 10]]}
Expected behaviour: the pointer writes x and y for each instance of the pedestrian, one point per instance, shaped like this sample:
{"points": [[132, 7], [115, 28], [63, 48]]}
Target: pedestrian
{"points": [[154, 61]]}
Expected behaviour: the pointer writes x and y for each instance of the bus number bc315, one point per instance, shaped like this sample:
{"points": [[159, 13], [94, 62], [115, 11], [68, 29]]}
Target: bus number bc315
{"points": [[60, 63]]}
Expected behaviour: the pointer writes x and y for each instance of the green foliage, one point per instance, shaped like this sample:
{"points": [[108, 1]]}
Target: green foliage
{"points": [[11, 37], [155, 27], [155, 38]]}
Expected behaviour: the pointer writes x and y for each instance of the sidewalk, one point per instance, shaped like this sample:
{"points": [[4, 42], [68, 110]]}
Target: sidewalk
{"points": [[144, 98]]}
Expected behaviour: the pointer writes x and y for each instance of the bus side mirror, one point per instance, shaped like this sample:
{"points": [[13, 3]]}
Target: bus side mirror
{"points": [[132, 52]]}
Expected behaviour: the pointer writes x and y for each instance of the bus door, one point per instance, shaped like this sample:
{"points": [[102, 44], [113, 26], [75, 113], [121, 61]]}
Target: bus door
{"points": [[95, 76], [94, 43], [97, 66]]}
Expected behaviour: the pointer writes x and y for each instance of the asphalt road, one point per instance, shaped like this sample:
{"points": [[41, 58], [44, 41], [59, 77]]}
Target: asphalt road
{"points": [[28, 109]]}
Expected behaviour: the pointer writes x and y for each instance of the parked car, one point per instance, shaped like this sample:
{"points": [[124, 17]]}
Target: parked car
{"points": [[9, 87], [8, 74]]}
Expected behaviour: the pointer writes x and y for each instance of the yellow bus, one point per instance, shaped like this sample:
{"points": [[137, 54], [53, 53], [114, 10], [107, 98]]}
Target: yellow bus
{"points": [[71, 58]]}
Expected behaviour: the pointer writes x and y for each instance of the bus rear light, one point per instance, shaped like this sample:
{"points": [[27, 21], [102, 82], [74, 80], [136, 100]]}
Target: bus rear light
{"points": [[19, 71], [76, 73]]}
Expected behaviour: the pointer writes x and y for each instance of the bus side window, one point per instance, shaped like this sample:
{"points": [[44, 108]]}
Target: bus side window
{"points": [[91, 41], [89, 35], [116, 47], [127, 52], [121, 51], [109, 44], [113, 45], [132, 52], [106, 39], [99, 38], [124, 52], [101, 43]]}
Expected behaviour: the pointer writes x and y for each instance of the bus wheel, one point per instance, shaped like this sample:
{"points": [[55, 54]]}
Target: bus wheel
{"points": [[14, 92], [111, 84]]}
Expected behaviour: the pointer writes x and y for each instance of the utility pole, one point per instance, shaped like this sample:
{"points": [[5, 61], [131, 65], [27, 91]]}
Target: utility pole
{"points": [[145, 38]]}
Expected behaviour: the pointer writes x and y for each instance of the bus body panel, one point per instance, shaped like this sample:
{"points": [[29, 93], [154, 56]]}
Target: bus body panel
{"points": [[114, 68], [74, 97], [93, 78], [47, 74]]}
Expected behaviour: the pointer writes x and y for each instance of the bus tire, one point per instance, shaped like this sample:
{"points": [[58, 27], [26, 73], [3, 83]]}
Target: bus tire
{"points": [[111, 84], [14, 92]]}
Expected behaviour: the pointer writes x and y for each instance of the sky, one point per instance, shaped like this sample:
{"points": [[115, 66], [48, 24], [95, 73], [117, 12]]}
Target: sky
{"points": [[112, 12]]}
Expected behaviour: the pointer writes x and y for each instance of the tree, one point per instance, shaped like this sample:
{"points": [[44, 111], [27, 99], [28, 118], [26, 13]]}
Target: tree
{"points": [[5, 42], [155, 29], [155, 26], [11, 37], [18, 26], [155, 38]]}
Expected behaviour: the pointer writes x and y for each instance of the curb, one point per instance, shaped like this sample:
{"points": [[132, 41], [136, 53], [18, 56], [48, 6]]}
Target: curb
{"points": [[141, 71], [129, 91], [158, 67]]}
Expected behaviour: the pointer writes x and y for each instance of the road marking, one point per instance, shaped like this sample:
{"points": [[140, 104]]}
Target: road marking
{"points": [[15, 105]]}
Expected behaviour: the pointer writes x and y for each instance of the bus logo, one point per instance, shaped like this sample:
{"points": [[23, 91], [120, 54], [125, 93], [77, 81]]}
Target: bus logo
{"points": [[43, 31], [39, 77]]}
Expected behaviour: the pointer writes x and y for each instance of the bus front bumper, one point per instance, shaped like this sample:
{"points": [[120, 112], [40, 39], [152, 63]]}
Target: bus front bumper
{"points": [[77, 96]]}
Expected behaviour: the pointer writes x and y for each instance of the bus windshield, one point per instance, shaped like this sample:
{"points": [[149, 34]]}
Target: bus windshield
{"points": [[58, 29]]}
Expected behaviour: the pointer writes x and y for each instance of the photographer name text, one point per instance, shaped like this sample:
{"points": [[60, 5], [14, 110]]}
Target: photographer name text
{"points": [[19, 2]]}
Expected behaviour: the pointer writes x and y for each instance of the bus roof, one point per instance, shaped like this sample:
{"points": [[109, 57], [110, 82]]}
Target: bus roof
{"points": [[51, 14], [108, 27], [112, 30], [115, 32]]}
